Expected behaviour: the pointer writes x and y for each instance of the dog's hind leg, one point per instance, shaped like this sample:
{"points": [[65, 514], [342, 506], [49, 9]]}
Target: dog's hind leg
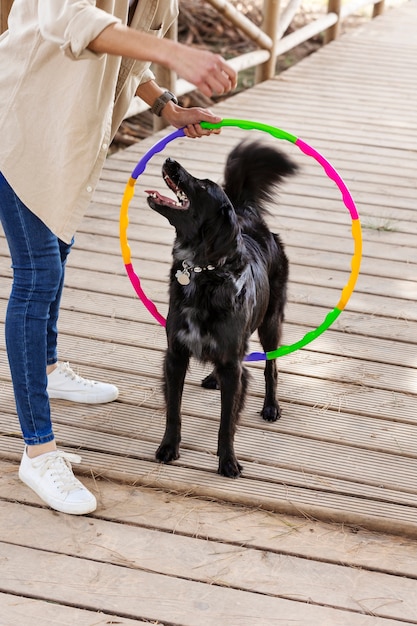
{"points": [[233, 383], [269, 335], [271, 410], [211, 381], [175, 368]]}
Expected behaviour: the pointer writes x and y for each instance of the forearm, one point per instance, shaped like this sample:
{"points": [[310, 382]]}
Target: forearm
{"points": [[208, 71], [121, 40], [149, 92]]}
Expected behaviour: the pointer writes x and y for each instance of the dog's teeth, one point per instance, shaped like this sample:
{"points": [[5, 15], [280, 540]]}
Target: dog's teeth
{"points": [[182, 197]]}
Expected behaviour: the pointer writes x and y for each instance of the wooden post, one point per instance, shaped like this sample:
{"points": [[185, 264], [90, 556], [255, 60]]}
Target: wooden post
{"points": [[270, 27], [379, 8], [5, 6], [333, 6]]}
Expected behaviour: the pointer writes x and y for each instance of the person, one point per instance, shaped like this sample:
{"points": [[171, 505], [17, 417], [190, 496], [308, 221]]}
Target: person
{"points": [[68, 72]]}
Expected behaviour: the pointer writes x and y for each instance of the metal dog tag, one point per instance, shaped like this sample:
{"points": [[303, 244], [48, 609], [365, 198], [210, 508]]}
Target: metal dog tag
{"points": [[183, 277]]}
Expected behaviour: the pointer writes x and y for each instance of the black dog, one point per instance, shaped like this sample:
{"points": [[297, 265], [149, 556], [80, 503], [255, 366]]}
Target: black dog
{"points": [[228, 278]]}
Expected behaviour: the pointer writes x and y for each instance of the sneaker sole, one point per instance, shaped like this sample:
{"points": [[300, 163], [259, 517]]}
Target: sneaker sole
{"points": [[81, 397]]}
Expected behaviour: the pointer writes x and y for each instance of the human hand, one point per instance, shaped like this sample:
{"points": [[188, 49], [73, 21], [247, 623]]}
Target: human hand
{"points": [[206, 70], [190, 119]]}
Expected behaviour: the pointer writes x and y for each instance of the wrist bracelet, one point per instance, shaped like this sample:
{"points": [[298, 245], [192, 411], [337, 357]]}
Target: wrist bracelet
{"points": [[160, 102]]}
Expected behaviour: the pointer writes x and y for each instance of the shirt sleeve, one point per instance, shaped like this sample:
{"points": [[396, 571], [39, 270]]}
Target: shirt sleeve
{"points": [[147, 75], [73, 24]]}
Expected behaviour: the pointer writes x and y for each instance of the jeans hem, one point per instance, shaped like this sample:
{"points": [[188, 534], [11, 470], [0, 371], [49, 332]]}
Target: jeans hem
{"points": [[37, 441]]}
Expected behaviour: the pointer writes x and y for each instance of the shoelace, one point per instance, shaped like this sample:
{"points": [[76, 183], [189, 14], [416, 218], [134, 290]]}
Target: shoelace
{"points": [[59, 464], [67, 371]]}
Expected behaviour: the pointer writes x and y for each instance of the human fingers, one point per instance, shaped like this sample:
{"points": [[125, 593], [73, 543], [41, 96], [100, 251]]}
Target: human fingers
{"points": [[218, 76], [215, 85], [191, 118], [195, 130], [223, 77], [191, 131], [229, 73]]}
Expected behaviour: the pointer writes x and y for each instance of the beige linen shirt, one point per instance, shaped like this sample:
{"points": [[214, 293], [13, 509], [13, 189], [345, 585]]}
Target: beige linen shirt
{"points": [[61, 104]]}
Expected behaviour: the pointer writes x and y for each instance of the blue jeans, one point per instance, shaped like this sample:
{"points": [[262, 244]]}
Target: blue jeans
{"points": [[38, 262]]}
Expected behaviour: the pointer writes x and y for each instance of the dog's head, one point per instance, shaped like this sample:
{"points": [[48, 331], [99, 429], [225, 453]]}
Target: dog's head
{"points": [[201, 212]]}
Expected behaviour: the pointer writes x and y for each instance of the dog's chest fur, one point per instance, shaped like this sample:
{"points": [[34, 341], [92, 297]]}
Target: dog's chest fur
{"points": [[217, 309]]}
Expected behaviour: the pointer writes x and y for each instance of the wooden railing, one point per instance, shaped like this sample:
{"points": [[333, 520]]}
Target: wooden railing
{"points": [[269, 37]]}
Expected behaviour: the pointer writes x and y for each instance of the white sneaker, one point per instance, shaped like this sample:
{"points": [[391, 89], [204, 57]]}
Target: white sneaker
{"points": [[65, 384], [50, 476]]}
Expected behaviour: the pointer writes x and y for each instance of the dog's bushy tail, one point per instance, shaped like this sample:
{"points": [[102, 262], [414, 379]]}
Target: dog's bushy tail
{"points": [[253, 169]]}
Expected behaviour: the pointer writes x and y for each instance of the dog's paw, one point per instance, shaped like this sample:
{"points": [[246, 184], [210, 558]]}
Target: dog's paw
{"points": [[210, 382], [230, 467], [271, 413], [167, 453]]}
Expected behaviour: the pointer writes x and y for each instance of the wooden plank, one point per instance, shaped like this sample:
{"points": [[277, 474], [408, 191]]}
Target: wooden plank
{"points": [[315, 294], [213, 563], [359, 431], [334, 342], [309, 208], [183, 477], [140, 507], [128, 308], [377, 230], [351, 396], [323, 424], [365, 193], [144, 595], [377, 160], [213, 521], [290, 467], [161, 254], [17, 610], [212, 164]]}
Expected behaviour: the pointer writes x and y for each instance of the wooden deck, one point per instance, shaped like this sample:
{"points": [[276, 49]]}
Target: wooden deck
{"points": [[320, 529]]}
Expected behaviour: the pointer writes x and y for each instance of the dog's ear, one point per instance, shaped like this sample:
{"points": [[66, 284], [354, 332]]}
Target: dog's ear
{"points": [[220, 231], [252, 171]]}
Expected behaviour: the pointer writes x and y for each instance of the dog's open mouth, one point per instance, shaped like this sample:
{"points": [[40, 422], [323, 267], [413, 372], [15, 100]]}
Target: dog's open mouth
{"points": [[182, 201]]}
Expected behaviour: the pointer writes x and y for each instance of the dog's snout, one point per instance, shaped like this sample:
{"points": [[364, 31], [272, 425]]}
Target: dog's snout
{"points": [[170, 165]]}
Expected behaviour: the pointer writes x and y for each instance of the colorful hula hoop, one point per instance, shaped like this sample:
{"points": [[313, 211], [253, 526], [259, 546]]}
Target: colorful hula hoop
{"points": [[309, 151]]}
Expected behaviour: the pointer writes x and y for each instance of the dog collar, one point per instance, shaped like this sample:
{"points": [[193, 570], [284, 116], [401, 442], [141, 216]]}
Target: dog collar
{"points": [[183, 276]]}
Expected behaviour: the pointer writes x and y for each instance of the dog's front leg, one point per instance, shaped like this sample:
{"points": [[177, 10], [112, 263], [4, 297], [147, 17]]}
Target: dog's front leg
{"points": [[232, 381], [175, 368]]}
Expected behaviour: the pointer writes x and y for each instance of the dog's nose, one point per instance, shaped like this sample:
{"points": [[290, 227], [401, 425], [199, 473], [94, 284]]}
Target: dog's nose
{"points": [[170, 160]]}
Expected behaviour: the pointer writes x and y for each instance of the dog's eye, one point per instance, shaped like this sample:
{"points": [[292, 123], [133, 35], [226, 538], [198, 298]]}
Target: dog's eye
{"points": [[203, 185]]}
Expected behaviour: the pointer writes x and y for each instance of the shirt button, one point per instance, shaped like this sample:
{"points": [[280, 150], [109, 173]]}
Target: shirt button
{"points": [[89, 189], [105, 146]]}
